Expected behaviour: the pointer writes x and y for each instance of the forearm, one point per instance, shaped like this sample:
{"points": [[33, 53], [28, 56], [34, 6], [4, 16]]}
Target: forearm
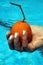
{"points": [[37, 29]]}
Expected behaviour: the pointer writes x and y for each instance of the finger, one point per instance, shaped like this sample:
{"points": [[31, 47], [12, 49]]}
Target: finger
{"points": [[10, 39], [8, 34], [24, 38], [24, 35], [16, 37], [11, 42], [16, 41]]}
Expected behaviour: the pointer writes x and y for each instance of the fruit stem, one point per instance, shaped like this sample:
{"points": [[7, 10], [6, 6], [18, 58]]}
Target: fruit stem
{"points": [[20, 9]]}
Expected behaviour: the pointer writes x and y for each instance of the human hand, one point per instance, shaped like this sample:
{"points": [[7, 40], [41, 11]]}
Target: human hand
{"points": [[37, 39]]}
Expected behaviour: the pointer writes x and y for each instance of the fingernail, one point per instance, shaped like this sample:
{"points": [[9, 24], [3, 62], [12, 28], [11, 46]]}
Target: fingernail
{"points": [[24, 32], [16, 35], [11, 37]]}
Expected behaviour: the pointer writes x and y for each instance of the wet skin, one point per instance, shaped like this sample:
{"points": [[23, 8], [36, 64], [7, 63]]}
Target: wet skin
{"points": [[36, 42]]}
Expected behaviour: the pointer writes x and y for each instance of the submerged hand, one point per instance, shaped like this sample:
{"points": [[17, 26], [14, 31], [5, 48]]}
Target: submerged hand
{"points": [[37, 39]]}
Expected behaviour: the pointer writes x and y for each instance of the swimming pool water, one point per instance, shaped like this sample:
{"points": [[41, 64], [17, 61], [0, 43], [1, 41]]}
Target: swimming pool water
{"points": [[33, 10]]}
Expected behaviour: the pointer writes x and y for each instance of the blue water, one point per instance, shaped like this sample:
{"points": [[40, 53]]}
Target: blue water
{"points": [[33, 10]]}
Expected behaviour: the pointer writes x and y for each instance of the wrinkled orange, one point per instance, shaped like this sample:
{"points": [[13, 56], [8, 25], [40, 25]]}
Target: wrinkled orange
{"points": [[19, 27]]}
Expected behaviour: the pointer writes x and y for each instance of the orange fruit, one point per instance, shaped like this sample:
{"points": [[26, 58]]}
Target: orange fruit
{"points": [[19, 27]]}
